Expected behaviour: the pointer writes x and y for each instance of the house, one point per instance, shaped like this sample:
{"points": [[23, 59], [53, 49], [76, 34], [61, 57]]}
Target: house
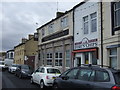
{"points": [[55, 42]]}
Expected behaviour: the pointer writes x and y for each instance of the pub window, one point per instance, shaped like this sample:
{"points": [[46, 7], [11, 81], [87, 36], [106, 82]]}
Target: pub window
{"points": [[58, 59], [49, 59], [64, 22], [50, 28], [67, 58]]}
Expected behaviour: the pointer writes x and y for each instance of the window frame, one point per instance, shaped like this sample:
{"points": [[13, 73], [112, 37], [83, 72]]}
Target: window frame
{"points": [[113, 18], [64, 22], [84, 22], [58, 58], [49, 58]]}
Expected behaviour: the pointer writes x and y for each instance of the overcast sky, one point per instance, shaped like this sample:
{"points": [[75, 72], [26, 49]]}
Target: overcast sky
{"points": [[18, 19]]}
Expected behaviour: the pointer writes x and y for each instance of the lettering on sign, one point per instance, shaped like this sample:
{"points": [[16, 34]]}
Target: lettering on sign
{"points": [[86, 43]]}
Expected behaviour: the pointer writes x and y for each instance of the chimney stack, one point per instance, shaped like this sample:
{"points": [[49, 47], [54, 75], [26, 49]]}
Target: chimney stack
{"points": [[30, 36], [58, 14], [24, 40]]}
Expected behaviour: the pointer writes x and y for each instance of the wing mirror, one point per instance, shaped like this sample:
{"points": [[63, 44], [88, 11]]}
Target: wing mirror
{"points": [[65, 77]]}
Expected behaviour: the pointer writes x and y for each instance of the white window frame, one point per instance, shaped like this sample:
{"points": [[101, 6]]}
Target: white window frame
{"points": [[85, 22], [64, 22], [67, 58], [113, 56], [91, 20], [58, 59], [49, 59], [51, 28], [43, 31]]}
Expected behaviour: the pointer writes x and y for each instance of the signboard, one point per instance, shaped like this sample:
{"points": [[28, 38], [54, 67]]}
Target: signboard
{"points": [[86, 43]]}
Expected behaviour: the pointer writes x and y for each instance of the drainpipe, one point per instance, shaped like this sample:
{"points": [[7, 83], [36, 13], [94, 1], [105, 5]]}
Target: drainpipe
{"points": [[101, 33]]}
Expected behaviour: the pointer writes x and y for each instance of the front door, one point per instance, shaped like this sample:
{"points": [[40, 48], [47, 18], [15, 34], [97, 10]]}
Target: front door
{"points": [[78, 61]]}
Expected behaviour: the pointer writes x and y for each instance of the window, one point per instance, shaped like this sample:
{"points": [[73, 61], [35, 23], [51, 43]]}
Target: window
{"points": [[43, 32], [50, 28], [58, 59], [72, 74], [64, 22], [84, 74], [85, 24], [49, 59], [102, 76], [113, 57], [53, 71], [117, 14], [93, 18], [67, 58]]}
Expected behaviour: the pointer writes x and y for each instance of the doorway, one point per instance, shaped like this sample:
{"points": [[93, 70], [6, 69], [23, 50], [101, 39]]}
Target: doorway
{"points": [[78, 61]]}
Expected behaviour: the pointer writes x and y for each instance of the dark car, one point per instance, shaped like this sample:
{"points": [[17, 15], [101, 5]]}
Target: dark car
{"points": [[89, 77], [23, 71]]}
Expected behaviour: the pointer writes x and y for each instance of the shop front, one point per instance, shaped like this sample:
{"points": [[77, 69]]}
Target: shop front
{"points": [[86, 52]]}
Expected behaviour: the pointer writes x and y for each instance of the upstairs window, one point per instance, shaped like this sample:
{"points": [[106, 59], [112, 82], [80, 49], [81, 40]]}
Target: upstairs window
{"points": [[43, 32], [117, 14], [50, 28], [85, 24], [93, 18], [64, 22]]}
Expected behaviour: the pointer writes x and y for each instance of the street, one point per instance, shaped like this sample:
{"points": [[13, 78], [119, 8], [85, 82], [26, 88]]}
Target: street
{"points": [[11, 81]]}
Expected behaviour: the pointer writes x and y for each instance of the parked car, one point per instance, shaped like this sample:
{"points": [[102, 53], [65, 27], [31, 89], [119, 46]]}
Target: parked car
{"points": [[12, 68], [89, 77], [44, 76], [23, 71], [3, 67]]}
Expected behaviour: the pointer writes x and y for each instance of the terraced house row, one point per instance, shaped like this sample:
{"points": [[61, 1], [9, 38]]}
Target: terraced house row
{"points": [[89, 33]]}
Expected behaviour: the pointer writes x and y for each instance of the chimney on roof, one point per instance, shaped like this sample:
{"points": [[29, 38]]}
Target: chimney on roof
{"points": [[30, 36], [24, 40], [58, 14]]}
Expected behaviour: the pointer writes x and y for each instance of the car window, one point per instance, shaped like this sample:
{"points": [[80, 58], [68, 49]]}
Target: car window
{"points": [[42, 70], [92, 76], [117, 78], [102, 76], [72, 74], [51, 70], [64, 73], [84, 74], [25, 67]]}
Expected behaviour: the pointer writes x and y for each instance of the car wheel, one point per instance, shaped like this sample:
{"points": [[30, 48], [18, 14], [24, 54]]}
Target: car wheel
{"points": [[42, 85], [31, 81], [20, 76], [55, 87]]}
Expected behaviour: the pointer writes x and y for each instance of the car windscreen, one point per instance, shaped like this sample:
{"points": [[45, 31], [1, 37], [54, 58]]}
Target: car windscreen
{"points": [[25, 67], [53, 71], [1, 63], [14, 65], [117, 78]]}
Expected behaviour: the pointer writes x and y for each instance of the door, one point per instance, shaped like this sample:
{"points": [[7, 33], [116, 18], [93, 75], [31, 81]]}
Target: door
{"points": [[66, 80], [78, 61]]}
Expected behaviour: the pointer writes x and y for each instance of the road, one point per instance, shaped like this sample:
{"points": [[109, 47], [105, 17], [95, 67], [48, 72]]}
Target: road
{"points": [[11, 81]]}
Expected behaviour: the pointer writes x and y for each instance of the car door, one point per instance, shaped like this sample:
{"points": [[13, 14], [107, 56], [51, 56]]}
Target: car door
{"points": [[35, 75], [82, 80], [66, 80], [39, 75]]}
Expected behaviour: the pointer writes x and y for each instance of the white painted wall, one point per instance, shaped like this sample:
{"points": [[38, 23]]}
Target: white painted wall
{"points": [[80, 12]]}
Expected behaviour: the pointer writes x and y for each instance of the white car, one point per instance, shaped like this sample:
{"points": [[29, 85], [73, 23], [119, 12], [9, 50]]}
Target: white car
{"points": [[12, 68], [44, 76], [2, 65]]}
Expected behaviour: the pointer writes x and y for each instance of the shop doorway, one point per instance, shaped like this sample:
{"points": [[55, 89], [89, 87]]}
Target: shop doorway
{"points": [[78, 61]]}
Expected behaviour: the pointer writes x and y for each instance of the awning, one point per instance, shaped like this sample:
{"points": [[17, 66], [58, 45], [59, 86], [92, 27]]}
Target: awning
{"points": [[85, 50]]}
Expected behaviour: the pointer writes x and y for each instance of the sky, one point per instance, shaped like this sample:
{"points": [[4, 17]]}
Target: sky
{"points": [[18, 19]]}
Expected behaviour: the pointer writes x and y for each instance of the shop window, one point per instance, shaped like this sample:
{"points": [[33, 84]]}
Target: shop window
{"points": [[94, 58], [58, 59], [93, 18], [86, 58], [113, 57], [67, 58], [85, 24]]}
